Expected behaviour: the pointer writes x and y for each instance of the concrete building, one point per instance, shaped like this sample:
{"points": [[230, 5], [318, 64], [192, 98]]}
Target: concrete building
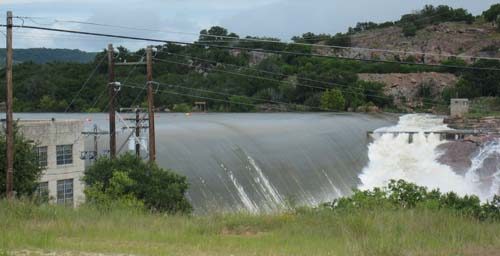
{"points": [[59, 144], [459, 108]]}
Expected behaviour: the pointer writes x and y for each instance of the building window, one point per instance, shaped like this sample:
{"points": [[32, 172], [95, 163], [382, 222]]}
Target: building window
{"points": [[65, 192], [42, 156], [64, 154], [42, 191]]}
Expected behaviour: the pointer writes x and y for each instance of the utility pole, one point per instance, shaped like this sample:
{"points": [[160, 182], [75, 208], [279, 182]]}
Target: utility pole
{"points": [[112, 102], [9, 131], [137, 132], [93, 155], [152, 142], [96, 143]]}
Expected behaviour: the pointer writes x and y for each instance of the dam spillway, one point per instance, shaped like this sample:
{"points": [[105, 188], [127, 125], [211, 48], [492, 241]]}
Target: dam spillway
{"points": [[256, 162], [262, 162]]}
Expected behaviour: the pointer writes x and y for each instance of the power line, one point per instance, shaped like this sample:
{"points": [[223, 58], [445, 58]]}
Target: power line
{"points": [[361, 93], [85, 84], [89, 33], [243, 96], [291, 83], [284, 75], [251, 49], [197, 96], [233, 39], [394, 22]]}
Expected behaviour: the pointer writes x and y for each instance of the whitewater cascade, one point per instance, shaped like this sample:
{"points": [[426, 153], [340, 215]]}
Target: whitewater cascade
{"points": [[391, 156]]}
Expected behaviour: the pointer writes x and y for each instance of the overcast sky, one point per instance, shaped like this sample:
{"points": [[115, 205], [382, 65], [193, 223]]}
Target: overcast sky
{"points": [[276, 18]]}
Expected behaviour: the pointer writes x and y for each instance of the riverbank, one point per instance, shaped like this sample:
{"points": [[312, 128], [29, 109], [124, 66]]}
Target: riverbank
{"points": [[38, 230]]}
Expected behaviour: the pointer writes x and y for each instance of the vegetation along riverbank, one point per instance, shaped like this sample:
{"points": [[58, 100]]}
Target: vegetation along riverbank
{"points": [[403, 219]]}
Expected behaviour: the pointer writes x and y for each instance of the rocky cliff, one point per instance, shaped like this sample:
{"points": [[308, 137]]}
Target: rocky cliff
{"points": [[411, 90], [451, 38]]}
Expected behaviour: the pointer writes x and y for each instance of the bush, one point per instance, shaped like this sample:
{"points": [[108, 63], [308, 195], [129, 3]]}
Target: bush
{"points": [[26, 167], [129, 181], [117, 195], [403, 195], [492, 14], [409, 29], [482, 82], [333, 100], [182, 108], [340, 39], [241, 104]]}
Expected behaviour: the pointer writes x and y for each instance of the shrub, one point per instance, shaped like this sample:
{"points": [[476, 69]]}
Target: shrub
{"points": [[401, 194], [241, 104], [182, 108], [492, 14], [333, 100], [26, 167], [117, 195], [410, 29], [130, 181]]}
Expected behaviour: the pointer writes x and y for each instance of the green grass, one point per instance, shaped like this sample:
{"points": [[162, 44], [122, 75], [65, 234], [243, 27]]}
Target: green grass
{"points": [[305, 232], [484, 106]]}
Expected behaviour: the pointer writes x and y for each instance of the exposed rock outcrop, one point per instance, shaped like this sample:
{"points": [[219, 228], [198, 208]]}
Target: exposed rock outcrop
{"points": [[455, 38], [459, 155], [489, 124], [255, 58], [406, 89]]}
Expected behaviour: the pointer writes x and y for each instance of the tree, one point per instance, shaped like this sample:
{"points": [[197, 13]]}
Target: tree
{"points": [[27, 170], [484, 82], [241, 104], [333, 100], [340, 40], [492, 14], [128, 176], [374, 92], [409, 29], [215, 33]]}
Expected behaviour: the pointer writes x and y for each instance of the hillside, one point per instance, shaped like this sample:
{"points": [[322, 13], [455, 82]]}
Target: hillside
{"points": [[450, 38], [253, 76], [44, 55]]}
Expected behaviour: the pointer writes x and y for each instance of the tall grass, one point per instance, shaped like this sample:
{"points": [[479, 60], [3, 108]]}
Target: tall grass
{"points": [[24, 226]]}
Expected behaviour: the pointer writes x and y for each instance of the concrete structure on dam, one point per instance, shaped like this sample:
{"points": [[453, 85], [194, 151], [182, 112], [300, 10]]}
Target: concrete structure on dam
{"points": [[459, 108], [58, 144]]}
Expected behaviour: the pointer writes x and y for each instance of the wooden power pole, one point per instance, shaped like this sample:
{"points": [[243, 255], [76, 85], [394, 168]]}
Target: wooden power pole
{"points": [[112, 100], [151, 112], [137, 132], [9, 131]]}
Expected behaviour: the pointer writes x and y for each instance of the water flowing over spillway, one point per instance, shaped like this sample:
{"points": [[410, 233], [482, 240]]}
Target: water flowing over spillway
{"points": [[393, 157], [266, 162]]}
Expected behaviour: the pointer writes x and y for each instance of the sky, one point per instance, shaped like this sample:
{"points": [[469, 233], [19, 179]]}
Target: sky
{"points": [[181, 20]]}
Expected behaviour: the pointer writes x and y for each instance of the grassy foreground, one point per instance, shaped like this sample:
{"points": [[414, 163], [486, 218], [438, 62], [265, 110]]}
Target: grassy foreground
{"points": [[24, 226]]}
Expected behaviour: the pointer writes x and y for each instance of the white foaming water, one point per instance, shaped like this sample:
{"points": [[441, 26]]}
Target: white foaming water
{"points": [[337, 191], [270, 192], [489, 150], [393, 157], [245, 199]]}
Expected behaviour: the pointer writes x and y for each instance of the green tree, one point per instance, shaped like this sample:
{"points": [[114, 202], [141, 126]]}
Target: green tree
{"points": [[215, 33], [492, 14], [410, 29], [129, 177], [333, 100], [117, 194], [26, 167], [374, 92], [47, 103], [182, 108], [241, 104], [484, 82]]}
